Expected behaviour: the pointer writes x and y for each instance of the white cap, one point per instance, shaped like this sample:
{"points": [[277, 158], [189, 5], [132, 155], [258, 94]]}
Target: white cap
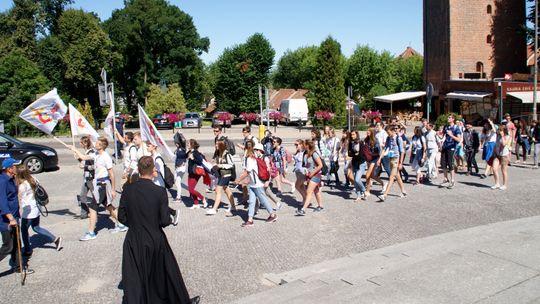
{"points": [[259, 147]]}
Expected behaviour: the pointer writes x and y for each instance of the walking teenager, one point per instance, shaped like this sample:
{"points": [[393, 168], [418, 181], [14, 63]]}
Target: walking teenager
{"points": [[159, 179], [299, 168], [150, 272], [195, 159], [344, 153], [395, 151], [471, 143], [104, 187], [313, 164], [180, 164], [129, 153], [431, 152], [418, 153], [452, 137], [88, 176], [333, 147], [225, 165], [29, 211], [487, 142], [256, 186], [371, 171], [502, 158], [279, 158], [522, 140], [358, 164]]}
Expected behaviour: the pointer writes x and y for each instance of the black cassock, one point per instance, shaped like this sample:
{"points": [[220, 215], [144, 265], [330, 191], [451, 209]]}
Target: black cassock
{"points": [[150, 273]]}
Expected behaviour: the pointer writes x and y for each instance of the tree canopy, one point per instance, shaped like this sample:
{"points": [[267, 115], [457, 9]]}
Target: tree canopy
{"points": [[296, 69], [170, 100]]}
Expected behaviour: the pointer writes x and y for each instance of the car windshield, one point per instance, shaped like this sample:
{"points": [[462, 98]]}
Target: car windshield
{"points": [[192, 115], [7, 138]]}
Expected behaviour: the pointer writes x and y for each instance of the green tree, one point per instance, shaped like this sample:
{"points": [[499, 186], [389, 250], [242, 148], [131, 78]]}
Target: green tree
{"points": [[158, 43], [240, 71], [409, 74], [296, 69], [20, 81], [328, 92], [51, 10], [18, 28], [165, 101]]}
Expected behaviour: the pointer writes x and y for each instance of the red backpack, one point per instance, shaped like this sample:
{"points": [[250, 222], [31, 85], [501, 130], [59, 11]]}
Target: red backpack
{"points": [[262, 169]]}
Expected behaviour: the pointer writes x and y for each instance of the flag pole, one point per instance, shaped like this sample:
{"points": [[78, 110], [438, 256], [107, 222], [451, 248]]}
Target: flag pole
{"points": [[63, 143]]}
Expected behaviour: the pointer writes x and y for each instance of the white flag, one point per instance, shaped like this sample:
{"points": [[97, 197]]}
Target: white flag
{"points": [[45, 112], [109, 125], [150, 133], [80, 126]]}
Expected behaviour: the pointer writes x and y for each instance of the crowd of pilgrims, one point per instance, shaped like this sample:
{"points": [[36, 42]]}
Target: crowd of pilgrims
{"points": [[268, 169]]}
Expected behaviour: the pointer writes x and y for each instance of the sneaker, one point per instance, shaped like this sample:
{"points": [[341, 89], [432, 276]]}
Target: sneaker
{"points": [[58, 243], [204, 204], [495, 187], [26, 270], [452, 183], [88, 236], [318, 209], [230, 212], [279, 205], [27, 253], [177, 200], [503, 188], [382, 197], [195, 206], [366, 195], [247, 224], [211, 212], [300, 212], [175, 218], [272, 218], [403, 194], [122, 228], [384, 186], [209, 190]]}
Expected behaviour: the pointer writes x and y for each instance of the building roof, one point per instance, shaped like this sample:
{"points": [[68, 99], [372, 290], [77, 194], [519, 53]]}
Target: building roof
{"points": [[400, 96], [276, 96], [408, 53]]}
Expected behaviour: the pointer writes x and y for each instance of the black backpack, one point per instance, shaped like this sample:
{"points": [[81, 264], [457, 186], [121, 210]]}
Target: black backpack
{"points": [[169, 176], [41, 196], [179, 139], [230, 146]]}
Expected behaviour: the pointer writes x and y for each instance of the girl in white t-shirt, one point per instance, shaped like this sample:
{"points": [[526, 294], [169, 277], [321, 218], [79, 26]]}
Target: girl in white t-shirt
{"points": [[30, 211]]}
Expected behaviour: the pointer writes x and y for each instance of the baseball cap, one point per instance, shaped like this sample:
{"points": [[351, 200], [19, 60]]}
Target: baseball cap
{"points": [[8, 162], [259, 147]]}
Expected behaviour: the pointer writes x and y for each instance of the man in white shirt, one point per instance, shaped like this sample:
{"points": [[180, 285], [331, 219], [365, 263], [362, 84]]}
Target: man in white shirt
{"points": [[432, 148], [256, 186], [104, 187]]}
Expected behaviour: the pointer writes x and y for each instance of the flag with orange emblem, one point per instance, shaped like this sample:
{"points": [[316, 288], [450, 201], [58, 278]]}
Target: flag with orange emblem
{"points": [[80, 126], [149, 132], [45, 112]]}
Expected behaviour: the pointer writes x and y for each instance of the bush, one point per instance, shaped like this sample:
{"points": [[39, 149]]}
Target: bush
{"points": [[362, 127], [442, 120]]}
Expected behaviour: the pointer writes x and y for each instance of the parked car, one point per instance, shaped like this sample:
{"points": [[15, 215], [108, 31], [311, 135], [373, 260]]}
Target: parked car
{"points": [[264, 116], [35, 157], [162, 122], [294, 111], [192, 120], [222, 119]]}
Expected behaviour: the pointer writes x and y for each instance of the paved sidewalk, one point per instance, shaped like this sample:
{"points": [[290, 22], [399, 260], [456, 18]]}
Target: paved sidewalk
{"points": [[495, 263]]}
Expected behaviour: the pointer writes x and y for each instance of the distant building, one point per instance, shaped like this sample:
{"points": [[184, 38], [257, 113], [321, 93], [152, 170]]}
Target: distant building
{"points": [[468, 44], [276, 96], [408, 53]]}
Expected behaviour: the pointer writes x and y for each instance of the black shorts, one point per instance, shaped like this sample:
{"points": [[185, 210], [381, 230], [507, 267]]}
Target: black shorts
{"points": [[447, 159], [102, 194], [224, 181]]}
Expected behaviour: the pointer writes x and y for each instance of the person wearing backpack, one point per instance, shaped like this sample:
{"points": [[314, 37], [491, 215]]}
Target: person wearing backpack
{"points": [[180, 164], [257, 171], [418, 154], [358, 164], [225, 165], [130, 155], [30, 212], [195, 171], [312, 167], [159, 179], [395, 151], [279, 159]]}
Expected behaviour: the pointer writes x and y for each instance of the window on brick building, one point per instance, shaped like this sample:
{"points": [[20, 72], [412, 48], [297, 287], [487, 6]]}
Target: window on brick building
{"points": [[488, 39], [479, 67], [489, 9]]}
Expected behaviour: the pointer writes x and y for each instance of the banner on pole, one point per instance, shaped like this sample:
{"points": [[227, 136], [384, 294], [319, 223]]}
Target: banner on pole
{"points": [[150, 133], [80, 126], [45, 112], [109, 125]]}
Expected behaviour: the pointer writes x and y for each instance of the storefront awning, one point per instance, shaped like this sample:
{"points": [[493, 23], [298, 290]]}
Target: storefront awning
{"points": [[400, 96], [469, 96], [526, 97]]}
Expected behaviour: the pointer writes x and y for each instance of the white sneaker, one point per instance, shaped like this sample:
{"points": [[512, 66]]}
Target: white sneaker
{"points": [[204, 204], [384, 186], [211, 212], [503, 188], [495, 187], [196, 206]]}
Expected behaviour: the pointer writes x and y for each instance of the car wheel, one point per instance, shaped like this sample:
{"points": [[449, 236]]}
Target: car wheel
{"points": [[33, 164]]}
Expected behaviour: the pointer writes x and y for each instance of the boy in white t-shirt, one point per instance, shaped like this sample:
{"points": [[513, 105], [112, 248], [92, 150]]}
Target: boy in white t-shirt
{"points": [[256, 186], [104, 187]]}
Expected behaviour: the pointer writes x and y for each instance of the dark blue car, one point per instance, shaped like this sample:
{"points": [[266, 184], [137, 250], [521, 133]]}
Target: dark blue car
{"points": [[35, 157]]}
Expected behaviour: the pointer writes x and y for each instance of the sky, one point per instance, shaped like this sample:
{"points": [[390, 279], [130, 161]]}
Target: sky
{"points": [[390, 25]]}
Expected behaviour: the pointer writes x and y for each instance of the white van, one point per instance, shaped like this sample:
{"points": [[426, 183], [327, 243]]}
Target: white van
{"points": [[294, 111]]}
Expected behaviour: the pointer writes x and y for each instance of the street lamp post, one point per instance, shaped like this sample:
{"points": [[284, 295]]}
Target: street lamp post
{"points": [[535, 74]]}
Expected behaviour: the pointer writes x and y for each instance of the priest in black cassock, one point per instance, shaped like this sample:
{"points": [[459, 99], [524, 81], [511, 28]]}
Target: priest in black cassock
{"points": [[150, 273]]}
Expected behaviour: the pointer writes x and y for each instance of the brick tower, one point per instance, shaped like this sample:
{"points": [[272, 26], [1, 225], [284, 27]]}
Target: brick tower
{"points": [[473, 39]]}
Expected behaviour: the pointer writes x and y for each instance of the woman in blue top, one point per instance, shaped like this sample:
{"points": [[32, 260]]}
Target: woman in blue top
{"points": [[395, 152], [358, 164], [418, 153], [279, 158], [299, 168]]}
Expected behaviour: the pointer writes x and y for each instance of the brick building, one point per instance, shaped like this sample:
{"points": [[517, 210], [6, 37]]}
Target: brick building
{"points": [[468, 44]]}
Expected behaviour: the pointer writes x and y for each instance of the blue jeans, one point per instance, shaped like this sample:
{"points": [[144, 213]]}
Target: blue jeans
{"points": [[258, 193], [385, 164], [358, 184]]}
